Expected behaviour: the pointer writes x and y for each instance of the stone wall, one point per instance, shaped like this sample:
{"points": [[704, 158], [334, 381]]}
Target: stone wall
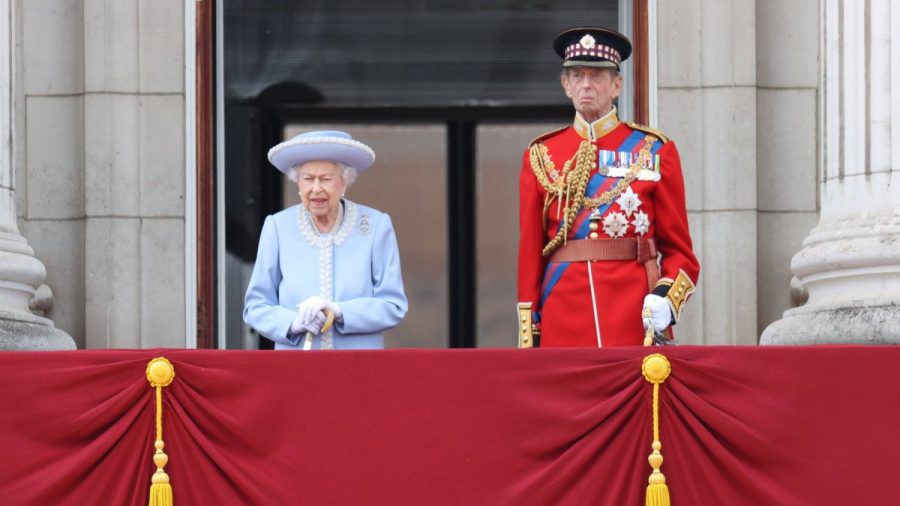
{"points": [[101, 182], [737, 91], [787, 133]]}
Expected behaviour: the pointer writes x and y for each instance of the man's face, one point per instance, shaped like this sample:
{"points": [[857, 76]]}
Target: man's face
{"points": [[591, 90]]}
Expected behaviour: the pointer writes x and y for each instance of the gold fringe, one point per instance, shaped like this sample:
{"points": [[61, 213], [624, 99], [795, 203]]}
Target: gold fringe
{"points": [[160, 373], [656, 369]]}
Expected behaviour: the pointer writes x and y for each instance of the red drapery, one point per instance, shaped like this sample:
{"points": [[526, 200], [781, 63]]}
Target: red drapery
{"points": [[754, 426]]}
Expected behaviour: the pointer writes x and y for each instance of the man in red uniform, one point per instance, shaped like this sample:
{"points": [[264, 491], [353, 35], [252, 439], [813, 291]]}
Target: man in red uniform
{"points": [[603, 226]]}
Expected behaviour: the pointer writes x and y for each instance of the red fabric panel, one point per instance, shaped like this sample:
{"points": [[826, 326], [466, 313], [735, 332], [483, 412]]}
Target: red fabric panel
{"points": [[813, 425]]}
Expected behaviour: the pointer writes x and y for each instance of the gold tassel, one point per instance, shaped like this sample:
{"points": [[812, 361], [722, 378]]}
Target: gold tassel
{"points": [[160, 373], [656, 369]]}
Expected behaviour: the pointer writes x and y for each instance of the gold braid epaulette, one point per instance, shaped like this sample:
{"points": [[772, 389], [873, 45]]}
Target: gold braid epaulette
{"points": [[545, 135], [544, 169], [551, 180], [652, 131], [541, 164]]}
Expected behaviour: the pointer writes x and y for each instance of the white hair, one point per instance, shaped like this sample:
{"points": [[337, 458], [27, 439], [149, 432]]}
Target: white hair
{"points": [[348, 173]]}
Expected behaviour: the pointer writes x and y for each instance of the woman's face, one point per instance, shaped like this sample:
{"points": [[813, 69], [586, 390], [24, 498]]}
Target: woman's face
{"points": [[321, 187]]}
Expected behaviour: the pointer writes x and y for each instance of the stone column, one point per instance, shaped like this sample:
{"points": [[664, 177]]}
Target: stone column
{"points": [[850, 262], [20, 272]]}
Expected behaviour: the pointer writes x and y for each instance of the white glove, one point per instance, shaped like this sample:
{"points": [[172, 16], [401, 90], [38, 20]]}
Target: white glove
{"points": [[660, 310], [309, 307], [300, 327], [316, 305]]}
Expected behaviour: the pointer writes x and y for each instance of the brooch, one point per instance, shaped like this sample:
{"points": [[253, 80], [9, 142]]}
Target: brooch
{"points": [[364, 226]]}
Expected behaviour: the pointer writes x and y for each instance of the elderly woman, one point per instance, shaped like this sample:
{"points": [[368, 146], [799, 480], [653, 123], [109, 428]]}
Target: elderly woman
{"points": [[326, 255]]}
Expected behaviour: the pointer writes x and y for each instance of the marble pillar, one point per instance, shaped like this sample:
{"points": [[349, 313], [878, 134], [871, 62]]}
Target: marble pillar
{"points": [[850, 262], [21, 273]]}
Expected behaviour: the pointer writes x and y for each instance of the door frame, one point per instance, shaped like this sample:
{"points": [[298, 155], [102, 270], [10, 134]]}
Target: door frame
{"points": [[202, 230]]}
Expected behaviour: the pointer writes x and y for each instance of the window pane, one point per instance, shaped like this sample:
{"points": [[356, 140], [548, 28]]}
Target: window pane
{"points": [[402, 53], [499, 160]]}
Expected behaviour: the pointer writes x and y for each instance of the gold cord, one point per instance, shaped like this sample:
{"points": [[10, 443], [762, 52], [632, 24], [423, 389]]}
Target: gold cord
{"points": [[574, 180], [577, 179], [160, 373], [159, 430], [656, 369]]}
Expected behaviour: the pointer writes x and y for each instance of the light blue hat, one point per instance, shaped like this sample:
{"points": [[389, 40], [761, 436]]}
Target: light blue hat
{"points": [[325, 145]]}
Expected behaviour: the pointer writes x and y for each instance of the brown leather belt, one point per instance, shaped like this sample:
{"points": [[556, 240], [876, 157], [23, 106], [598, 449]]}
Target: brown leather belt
{"points": [[628, 248]]}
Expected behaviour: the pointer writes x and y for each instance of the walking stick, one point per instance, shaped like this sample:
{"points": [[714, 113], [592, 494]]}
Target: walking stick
{"points": [[329, 321]]}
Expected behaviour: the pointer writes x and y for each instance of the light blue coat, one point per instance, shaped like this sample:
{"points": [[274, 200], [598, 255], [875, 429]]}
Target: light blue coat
{"points": [[358, 267]]}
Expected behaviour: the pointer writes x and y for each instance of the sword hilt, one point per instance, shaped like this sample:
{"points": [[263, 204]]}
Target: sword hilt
{"points": [[649, 332]]}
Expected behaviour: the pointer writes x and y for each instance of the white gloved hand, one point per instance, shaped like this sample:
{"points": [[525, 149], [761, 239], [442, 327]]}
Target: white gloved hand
{"points": [[300, 327], [660, 310], [309, 307], [315, 304]]}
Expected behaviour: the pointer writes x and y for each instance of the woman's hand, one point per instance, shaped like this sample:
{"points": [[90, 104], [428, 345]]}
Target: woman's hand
{"points": [[310, 307], [299, 327], [316, 305]]}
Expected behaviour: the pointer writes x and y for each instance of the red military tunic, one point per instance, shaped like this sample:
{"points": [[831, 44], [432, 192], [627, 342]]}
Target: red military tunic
{"points": [[650, 205]]}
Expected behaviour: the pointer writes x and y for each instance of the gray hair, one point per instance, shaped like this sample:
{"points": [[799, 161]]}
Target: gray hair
{"points": [[348, 173]]}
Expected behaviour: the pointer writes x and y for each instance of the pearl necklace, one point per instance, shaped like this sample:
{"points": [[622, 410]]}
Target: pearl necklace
{"points": [[325, 242], [335, 229], [340, 231]]}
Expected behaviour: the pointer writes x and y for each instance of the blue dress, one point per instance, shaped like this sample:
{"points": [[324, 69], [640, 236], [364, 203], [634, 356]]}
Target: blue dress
{"points": [[357, 266]]}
